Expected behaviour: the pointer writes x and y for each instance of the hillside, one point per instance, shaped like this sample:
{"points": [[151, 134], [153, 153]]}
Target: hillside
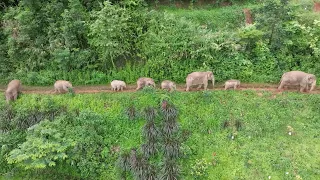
{"points": [[91, 132], [220, 135]]}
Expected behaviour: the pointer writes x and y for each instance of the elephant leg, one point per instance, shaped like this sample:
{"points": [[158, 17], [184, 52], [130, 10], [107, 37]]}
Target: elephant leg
{"points": [[205, 86], [235, 87], [281, 85], [188, 87], [303, 86], [138, 86], [121, 88], [302, 89], [199, 86], [15, 95], [307, 87]]}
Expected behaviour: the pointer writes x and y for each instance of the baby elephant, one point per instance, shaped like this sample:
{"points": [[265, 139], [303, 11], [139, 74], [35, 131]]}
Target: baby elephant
{"points": [[144, 81], [14, 88], [232, 83], [169, 85], [62, 86], [117, 85], [303, 79]]}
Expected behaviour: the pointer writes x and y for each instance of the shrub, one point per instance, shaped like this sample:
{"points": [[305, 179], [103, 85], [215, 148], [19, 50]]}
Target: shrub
{"points": [[200, 169]]}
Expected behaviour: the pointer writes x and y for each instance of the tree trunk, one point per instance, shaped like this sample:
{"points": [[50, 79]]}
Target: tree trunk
{"points": [[248, 16]]}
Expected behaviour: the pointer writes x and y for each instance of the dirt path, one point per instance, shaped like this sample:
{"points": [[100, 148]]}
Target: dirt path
{"points": [[132, 88]]}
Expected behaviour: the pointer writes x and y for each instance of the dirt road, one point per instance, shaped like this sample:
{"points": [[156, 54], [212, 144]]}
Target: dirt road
{"points": [[132, 88]]}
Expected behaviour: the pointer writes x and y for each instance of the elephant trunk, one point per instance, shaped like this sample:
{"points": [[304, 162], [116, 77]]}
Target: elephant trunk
{"points": [[313, 85], [212, 81]]}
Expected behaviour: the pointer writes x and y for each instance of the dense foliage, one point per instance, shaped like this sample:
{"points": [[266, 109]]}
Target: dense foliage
{"points": [[94, 42], [197, 135]]}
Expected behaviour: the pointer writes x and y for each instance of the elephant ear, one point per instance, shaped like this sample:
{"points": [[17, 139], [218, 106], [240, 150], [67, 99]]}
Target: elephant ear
{"points": [[209, 74], [311, 78]]}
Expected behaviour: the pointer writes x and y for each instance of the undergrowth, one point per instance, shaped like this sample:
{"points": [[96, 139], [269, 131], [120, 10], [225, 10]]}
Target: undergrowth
{"points": [[217, 135]]}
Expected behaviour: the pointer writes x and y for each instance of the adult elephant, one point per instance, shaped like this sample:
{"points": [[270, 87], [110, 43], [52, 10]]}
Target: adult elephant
{"points": [[303, 79], [199, 78]]}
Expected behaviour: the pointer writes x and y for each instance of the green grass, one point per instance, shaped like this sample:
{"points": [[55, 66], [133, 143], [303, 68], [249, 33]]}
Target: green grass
{"points": [[216, 19], [262, 146]]}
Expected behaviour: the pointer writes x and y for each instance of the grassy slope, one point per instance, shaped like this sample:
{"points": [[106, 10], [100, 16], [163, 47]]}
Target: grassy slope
{"points": [[260, 149], [228, 18]]}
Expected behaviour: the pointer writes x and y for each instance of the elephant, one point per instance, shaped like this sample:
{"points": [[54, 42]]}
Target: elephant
{"points": [[169, 85], [298, 78], [13, 90], [145, 81], [117, 85], [232, 83], [62, 86], [199, 78]]}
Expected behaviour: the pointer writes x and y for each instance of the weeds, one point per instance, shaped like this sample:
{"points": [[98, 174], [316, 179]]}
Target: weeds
{"points": [[150, 148], [200, 169], [170, 113], [238, 124], [6, 116], [169, 170], [124, 164], [131, 112], [150, 131], [150, 113], [171, 147], [139, 164], [225, 124], [148, 89]]}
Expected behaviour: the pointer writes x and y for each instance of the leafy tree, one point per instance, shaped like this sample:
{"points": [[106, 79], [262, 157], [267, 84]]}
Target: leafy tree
{"points": [[69, 44], [45, 145], [111, 33], [271, 18], [25, 28]]}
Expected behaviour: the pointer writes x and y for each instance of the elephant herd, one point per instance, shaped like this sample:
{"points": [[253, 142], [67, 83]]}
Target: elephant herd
{"points": [[304, 80]]}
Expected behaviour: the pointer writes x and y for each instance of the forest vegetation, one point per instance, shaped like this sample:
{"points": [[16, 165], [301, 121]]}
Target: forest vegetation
{"points": [[96, 41]]}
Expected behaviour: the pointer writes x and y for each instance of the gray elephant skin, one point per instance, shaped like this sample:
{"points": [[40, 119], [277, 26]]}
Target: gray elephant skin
{"points": [[232, 83], [199, 78], [304, 80], [145, 81], [62, 86], [13, 90], [117, 85], [168, 85]]}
